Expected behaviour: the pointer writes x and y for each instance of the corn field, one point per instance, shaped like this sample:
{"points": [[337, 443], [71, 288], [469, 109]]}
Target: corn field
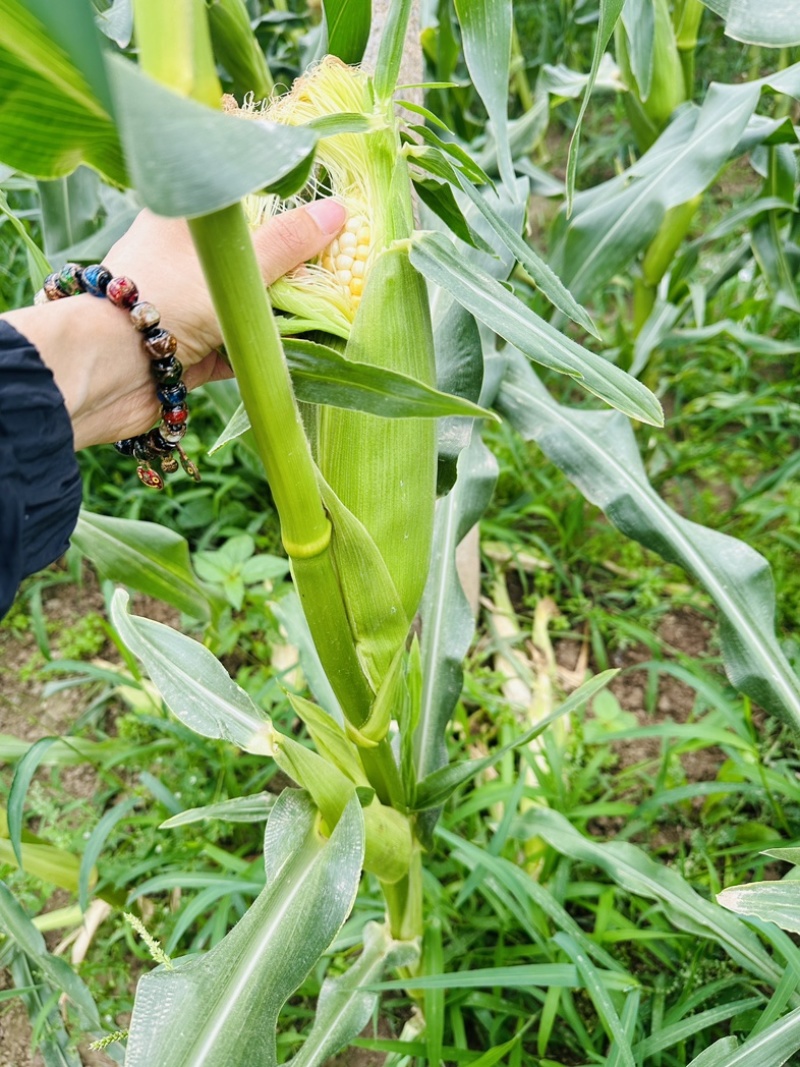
{"points": [[474, 298]]}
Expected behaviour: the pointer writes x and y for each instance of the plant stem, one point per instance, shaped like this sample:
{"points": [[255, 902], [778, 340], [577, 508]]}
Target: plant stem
{"points": [[251, 336]]}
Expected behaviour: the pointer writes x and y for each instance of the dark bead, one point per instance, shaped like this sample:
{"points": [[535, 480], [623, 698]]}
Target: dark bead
{"points": [[95, 279], [145, 316], [158, 445], [176, 416], [122, 292], [126, 446], [53, 289], [170, 396], [167, 371], [160, 343], [142, 450], [69, 278], [172, 434]]}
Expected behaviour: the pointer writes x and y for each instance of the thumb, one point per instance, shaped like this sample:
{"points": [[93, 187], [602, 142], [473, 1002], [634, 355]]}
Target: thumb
{"points": [[294, 236]]}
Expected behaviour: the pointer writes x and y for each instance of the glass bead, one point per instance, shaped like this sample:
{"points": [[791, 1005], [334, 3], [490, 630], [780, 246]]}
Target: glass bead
{"points": [[169, 464], [157, 443], [122, 292], [176, 416], [145, 315], [171, 395], [167, 371], [95, 279], [173, 435], [53, 288], [126, 446], [69, 278], [142, 450], [161, 343]]}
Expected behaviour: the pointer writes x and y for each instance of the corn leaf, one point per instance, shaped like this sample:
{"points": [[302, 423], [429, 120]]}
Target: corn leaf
{"points": [[255, 807], [598, 452], [777, 902], [637, 873], [347, 1003], [201, 1010], [486, 27], [213, 159], [610, 11], [347, 24], [55, 112], [192, 682], [447, 622], [148, 557], [774, 25], [490, 302], [390, 52], [615, 220]]}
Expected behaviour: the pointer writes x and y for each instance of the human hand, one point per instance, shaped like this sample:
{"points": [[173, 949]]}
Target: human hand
{"points": [[95, 354]]}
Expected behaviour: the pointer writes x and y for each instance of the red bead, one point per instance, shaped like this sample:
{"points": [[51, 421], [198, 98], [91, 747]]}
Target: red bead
{"points": [[176, 416], [122, 292]]}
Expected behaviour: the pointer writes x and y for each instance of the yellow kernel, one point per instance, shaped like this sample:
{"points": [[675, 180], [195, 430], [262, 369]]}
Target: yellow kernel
{"points": [[357, 287], [358, 267], [364, 235]]}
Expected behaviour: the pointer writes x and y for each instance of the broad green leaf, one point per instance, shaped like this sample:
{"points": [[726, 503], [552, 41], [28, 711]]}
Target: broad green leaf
{"points": [[192, 682], [71, 27], [631, 868], [788, 855], [70, 208], [321, 375], [609, 13], [347, 25], [253, 808], [213, 160], [347, 1003], [776, 902], [51, 116], [220, 1009], [434, 789], [486, 27], [547, 281], [490, 302], [638, 19], [615, 220], [146, 556], [771, 1048], [598, 452], [447, 622], [774, 25], [390, 52], [236, 47]]}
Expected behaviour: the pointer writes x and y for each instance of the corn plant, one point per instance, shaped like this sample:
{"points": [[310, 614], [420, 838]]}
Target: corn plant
{"points": [[343, 368]]}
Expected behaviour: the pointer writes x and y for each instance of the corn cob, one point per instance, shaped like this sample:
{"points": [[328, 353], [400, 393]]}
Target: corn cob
{"points": [[363, 289]]}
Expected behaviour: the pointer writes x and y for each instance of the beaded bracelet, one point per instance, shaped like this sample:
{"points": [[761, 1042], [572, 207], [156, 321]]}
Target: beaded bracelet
{"points": [[162, 442]]}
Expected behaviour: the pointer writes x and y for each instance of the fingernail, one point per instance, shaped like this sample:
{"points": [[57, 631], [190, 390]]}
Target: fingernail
{"points": [[329, 215]]}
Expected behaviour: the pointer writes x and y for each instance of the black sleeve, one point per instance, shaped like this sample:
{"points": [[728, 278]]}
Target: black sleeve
{"points": [[40, 486]]}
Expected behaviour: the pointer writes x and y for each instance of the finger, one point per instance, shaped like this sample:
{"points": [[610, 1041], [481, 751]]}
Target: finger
{"points": [[295, 236], [211, 369]]}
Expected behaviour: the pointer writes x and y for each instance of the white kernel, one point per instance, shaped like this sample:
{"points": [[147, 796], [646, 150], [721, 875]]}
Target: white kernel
{"points": [[364, 235], [344, 262], [354, 224], [344, 276], [348, 241], [358, 268]]}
